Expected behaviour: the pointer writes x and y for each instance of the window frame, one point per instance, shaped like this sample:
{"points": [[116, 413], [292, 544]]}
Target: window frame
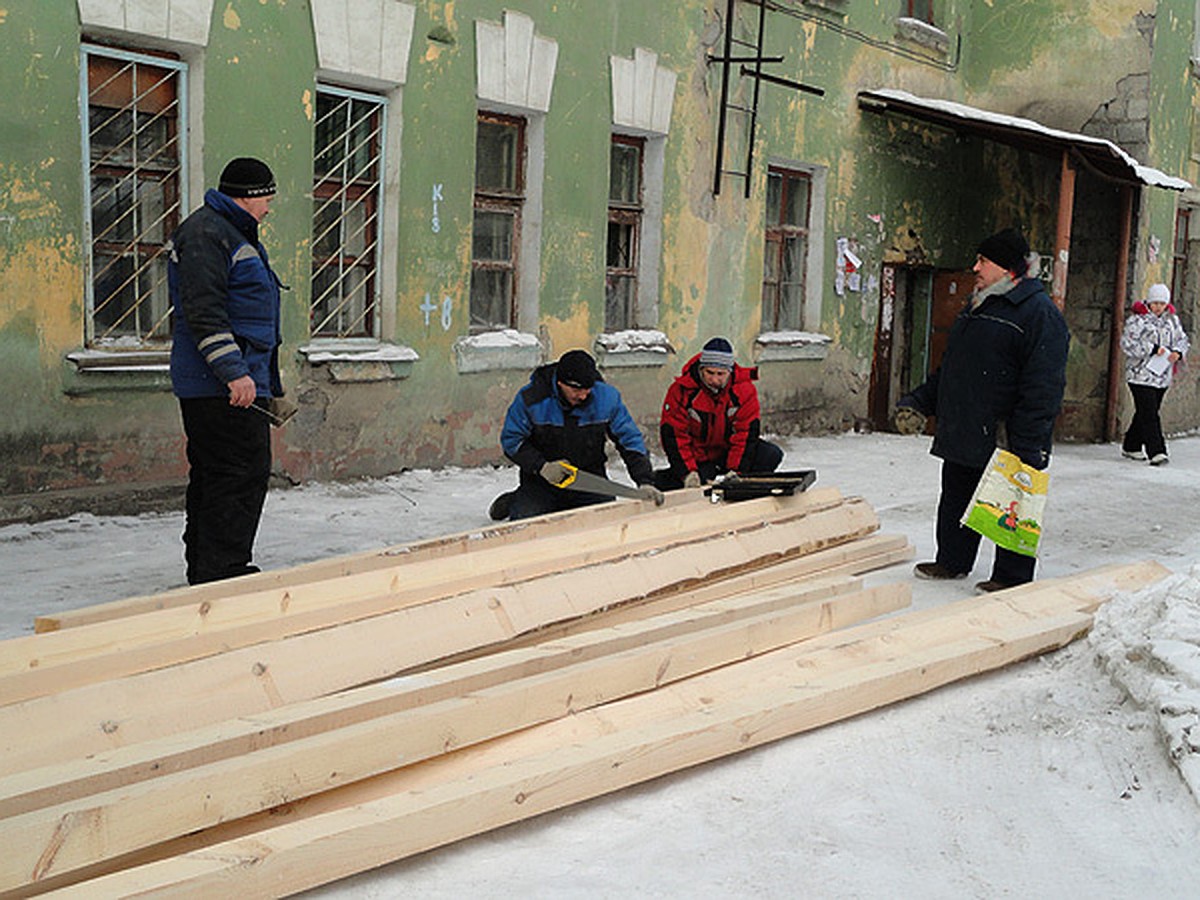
{"points": [[775, 235], [629, 213], [175, 193], [370, 191], [498, 200]]}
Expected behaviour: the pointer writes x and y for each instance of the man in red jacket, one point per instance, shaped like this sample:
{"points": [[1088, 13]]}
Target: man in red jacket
{"points": [[710, 421]]}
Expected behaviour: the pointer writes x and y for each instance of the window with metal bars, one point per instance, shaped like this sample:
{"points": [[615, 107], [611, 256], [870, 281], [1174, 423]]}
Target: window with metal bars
{"points": [[347, 189], [785, 255], [496, 230], [134, 156], [625, 211]]}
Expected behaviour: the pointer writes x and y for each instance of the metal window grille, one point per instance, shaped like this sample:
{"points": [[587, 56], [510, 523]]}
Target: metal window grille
{"points": [[789, 198], [624, 232], [347, 192], [496, 230], [134, 157]]}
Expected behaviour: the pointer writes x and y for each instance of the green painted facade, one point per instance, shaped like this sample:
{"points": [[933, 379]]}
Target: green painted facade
{"points": [[909, 197]]}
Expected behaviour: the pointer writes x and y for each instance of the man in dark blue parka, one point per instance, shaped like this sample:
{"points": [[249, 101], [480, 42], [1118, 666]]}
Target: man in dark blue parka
{"points": [[1000, 383], [224, 367], [564, 415]]}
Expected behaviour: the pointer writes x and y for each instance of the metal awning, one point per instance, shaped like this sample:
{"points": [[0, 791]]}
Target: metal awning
{"points": [[1100, 155]]}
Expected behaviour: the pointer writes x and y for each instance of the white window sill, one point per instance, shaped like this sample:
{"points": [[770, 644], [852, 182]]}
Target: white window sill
{"points": [[785, 346], [497, 350], [355, 360], [634, 348], [92, 370], [928, 36]]}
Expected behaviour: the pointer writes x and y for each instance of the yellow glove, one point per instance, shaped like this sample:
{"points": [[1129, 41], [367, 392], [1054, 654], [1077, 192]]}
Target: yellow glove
{"points": [[555, 472], [692, 480], [650, 492], [909, 420]]}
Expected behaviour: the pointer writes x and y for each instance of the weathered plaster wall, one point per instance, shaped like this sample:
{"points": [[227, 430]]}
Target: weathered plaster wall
{"points": [[899, 190]]}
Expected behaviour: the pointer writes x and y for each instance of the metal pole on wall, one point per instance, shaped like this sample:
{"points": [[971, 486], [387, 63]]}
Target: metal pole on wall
{"points": [[1062, 236], [1120, 294]]}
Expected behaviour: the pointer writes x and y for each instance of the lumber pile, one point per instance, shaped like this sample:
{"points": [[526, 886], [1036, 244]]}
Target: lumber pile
{"points": [[258, 737]]}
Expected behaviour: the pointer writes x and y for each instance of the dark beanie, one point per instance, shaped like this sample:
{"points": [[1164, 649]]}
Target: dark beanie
{"points": [[1007, 249], [577, 369], [717, 353], [246, 177]]}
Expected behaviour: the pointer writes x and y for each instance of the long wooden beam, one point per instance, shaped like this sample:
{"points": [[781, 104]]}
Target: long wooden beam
{"points": [[671, 647], [442, 547], [49, 785], [42, 664], [563, 762], [97, 717]]}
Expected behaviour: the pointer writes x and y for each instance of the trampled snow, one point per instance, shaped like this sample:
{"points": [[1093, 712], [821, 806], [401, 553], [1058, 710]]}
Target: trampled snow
{"points": [[1073, 774]]}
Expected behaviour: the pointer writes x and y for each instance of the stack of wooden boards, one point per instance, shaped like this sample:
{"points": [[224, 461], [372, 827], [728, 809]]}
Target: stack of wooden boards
{"points": [[261, 736]]}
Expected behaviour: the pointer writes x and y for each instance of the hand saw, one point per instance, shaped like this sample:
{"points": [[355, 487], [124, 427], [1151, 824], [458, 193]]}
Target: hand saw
{"points": [[593, 484]]}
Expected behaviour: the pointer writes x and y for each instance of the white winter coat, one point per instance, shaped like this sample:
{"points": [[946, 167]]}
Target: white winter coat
{"points": [[1144, 334]]}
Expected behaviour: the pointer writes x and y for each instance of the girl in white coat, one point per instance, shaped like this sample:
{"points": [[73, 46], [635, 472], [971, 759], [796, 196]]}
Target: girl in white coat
{"points": [[1153, 343]]}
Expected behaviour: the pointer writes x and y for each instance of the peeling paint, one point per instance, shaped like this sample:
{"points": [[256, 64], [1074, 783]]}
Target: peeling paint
{"points": [[230, 19]]}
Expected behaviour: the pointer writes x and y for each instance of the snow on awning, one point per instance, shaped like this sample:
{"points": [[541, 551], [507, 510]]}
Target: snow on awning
{"points": [[1103, 155]]}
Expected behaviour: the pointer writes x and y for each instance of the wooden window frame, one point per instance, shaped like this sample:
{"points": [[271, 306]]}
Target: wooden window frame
{"points": [[509, 202], [775, 236], [631, 214]]}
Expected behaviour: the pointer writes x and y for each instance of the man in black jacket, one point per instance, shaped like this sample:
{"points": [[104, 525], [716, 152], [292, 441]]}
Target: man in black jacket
{"points": [[1000, 383], [224, 367]]}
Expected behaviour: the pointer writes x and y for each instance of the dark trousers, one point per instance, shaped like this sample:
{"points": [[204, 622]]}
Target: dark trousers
{"points": [[229, 455], [957, 545], [535, 496], [1145, 430], [760, 456]]}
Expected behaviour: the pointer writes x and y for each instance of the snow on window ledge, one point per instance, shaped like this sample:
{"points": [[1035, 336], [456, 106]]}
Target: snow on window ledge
{"points": [[929, 36], [633, 348], [781, 346], [494, 350], [360, 359]]}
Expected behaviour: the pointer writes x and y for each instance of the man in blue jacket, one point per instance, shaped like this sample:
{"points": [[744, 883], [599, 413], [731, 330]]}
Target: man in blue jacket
{"points": [[564, 415], [224, 367], [1000, 383]]}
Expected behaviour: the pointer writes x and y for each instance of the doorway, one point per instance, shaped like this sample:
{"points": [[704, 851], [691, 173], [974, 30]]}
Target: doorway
{"points": [[917, 307]]}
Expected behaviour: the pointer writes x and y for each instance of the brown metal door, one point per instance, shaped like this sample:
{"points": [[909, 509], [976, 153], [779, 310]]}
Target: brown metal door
{"points": [[950, 291]]}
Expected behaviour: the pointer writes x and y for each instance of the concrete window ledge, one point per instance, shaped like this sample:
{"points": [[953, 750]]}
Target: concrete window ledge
{"points": [[360, 360], [928, 36], [496, 350], [100, 371], [634, 348], [785, 346]]}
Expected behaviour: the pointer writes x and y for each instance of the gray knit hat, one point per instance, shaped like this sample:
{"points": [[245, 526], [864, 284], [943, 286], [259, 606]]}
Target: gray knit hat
{"points": [[717, 354]]}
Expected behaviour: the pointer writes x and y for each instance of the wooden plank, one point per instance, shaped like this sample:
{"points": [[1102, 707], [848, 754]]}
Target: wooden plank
{"points": [[563, 762], [67, 836], [33, 789], [42, 664], [97, 717], [442, 547]]}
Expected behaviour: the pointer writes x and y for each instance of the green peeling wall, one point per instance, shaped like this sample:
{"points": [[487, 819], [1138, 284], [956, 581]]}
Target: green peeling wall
{"points": [[900, 191]]}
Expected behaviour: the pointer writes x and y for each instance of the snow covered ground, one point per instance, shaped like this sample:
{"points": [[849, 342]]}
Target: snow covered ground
{"points": [[1064, 776]]}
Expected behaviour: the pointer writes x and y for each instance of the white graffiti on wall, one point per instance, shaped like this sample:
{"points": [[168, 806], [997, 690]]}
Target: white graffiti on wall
{"points": [[447, 318], [436, 222]]}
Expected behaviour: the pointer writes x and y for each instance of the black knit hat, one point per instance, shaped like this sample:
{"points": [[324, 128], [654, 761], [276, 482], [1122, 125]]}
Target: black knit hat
{"points": [[246, 177], [1007, 249], [577, 369], [717, 353]]}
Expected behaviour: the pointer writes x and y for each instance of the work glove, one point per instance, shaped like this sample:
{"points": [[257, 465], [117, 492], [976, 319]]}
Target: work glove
{"points": [[650, 492], [909, 420], [692, 480], [555, 472]]}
